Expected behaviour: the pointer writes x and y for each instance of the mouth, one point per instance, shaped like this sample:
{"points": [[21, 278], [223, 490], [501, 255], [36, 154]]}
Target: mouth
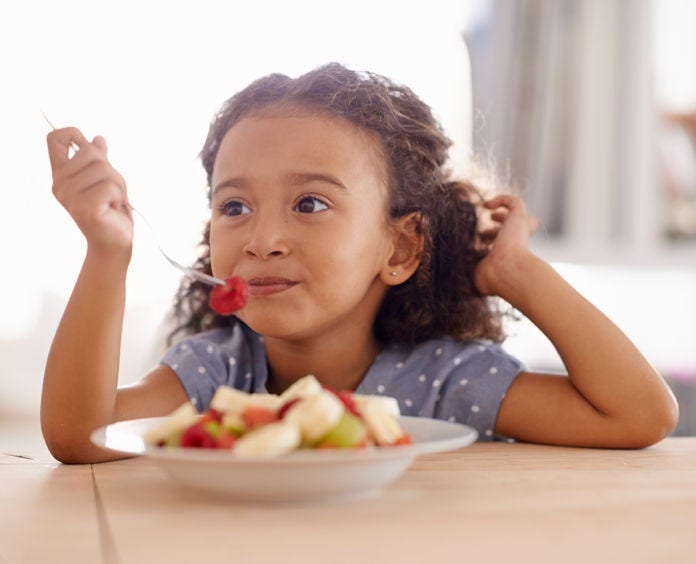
{"points": [[269, 285]]}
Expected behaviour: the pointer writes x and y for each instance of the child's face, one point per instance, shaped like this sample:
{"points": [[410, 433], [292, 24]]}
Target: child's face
{"points": [[299, 209]]}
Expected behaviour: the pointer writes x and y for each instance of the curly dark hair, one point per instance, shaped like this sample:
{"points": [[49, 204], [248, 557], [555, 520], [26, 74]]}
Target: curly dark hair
{"points": [[440, 299]]}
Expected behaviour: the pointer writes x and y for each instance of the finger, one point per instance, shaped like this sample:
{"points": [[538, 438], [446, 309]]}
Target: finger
{"points": [[87, 156], [100, 143], [500, 216], [489, 234], [93, 203], [99, 196], [95, 173], [504, 200], [59, 142], [493, 203]]}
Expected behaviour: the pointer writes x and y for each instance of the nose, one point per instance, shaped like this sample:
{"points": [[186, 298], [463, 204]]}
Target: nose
{"points": [[267, 238]]}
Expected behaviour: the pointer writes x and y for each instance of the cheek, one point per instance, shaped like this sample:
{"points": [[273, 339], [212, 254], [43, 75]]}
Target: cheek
{"points": [[213, 243], [220, 251], [367, 244]]}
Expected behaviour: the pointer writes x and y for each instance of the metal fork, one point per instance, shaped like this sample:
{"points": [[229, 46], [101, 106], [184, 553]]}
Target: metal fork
{"points": [[191, 272]]}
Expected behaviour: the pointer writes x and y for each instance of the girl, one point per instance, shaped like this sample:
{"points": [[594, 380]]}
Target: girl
{"points": [[368, 267]]}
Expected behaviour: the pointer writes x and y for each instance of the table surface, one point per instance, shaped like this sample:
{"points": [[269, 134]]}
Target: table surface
{"points": [[490, 502]]}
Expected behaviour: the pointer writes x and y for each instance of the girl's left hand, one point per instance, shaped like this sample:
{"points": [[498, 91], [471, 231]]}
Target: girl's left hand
{"points": [[510, 233]]}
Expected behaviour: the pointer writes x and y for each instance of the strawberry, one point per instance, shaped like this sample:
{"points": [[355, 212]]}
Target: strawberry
{"points": [[211, 415], [346, 396], [403, 440], [197, 436], [257, 416], [227, 299], [286, 406]]}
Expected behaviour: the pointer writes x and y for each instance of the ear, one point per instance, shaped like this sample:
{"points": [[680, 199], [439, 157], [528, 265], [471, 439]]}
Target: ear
{"points": [[407, 246]]}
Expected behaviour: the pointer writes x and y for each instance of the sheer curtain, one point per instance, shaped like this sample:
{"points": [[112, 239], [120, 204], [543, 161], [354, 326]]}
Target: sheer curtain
{"points": [[563, 104], [566, 106]]}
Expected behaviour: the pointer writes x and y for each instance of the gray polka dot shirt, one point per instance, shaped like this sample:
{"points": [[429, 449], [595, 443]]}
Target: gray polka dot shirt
{"points": [[441, 379]]}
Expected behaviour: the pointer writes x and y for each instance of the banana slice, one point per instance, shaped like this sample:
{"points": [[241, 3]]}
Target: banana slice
{"points": [[384, 403], [302, 388], [270, 440], [181, 418], [316, 415], [232, 400], [383, 426]]}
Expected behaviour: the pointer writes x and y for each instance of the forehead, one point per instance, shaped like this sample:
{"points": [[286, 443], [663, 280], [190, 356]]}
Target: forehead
{"points": [[303, 139]]}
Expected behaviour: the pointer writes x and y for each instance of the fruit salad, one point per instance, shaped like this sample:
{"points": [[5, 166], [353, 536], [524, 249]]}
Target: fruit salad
{"points": [[306, 415]]}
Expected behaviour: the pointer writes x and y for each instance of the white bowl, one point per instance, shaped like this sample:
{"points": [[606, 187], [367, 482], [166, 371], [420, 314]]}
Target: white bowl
{"points": [[303, 475]]}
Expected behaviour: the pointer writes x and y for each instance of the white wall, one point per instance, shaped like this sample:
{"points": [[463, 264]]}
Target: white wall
{"points": [[148, 75]]}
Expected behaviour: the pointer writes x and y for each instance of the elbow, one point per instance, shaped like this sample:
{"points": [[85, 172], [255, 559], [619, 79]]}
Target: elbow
{"points": [[68, 448], [64, 451], [70, 454], [654, 424], [66, 457]]}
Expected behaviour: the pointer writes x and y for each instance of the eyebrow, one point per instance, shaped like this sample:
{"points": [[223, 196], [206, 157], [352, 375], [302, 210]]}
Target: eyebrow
{"points": [[295, 178], [298, 178], [229, 183]]}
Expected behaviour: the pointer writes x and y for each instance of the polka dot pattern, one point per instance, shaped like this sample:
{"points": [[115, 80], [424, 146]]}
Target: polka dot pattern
{"points": [[461, 383], [458, 382]]}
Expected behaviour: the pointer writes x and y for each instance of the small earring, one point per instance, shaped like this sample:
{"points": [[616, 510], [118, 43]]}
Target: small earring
{"points": [[393, 273]]}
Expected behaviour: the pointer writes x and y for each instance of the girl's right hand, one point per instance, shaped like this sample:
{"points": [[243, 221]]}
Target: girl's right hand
{"points": [[498, 271], [91, 190]]}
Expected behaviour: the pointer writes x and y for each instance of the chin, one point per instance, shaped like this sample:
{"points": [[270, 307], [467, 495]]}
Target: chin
{"points": [[272, 326]]}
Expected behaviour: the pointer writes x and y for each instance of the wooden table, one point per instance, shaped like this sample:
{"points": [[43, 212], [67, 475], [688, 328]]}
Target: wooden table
{"points": [[485, 503]]}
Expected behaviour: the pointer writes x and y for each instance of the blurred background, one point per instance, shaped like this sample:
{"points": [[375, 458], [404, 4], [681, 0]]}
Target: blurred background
{"points": [[587, 107]]}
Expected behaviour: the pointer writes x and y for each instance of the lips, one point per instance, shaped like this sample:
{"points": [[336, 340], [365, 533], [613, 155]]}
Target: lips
{"points": [[267, 285]]}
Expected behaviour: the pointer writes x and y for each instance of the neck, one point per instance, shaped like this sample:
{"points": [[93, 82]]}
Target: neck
{"points": [[337, 361]]}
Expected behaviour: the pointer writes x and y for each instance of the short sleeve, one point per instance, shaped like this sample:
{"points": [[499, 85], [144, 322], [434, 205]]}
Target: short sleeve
{"points": [[446, 379], [476, 387], [206, 361]]}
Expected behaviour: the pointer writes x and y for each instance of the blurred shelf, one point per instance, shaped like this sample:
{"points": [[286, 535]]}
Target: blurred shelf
{"points": [[667, 254]]}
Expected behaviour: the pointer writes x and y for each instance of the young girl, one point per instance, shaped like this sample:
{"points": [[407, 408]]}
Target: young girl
{"points": [[368, 267]]}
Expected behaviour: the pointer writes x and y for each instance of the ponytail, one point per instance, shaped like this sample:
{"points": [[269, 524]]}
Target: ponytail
{"points": [[441, 298]]}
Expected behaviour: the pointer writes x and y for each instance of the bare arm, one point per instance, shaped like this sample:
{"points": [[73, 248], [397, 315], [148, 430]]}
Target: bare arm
{"points": [[612, 396], [81, 375]]}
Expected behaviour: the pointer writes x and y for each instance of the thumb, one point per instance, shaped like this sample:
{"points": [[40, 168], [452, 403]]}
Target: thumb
{"points": [[100, 143]]}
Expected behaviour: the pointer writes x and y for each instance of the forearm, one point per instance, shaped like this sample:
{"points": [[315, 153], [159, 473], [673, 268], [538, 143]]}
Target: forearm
{"points": [[602, 363], [81, 373]]}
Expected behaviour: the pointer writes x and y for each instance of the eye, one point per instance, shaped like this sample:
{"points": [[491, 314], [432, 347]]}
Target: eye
{"points": [[233, 208], [310, 204]]}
